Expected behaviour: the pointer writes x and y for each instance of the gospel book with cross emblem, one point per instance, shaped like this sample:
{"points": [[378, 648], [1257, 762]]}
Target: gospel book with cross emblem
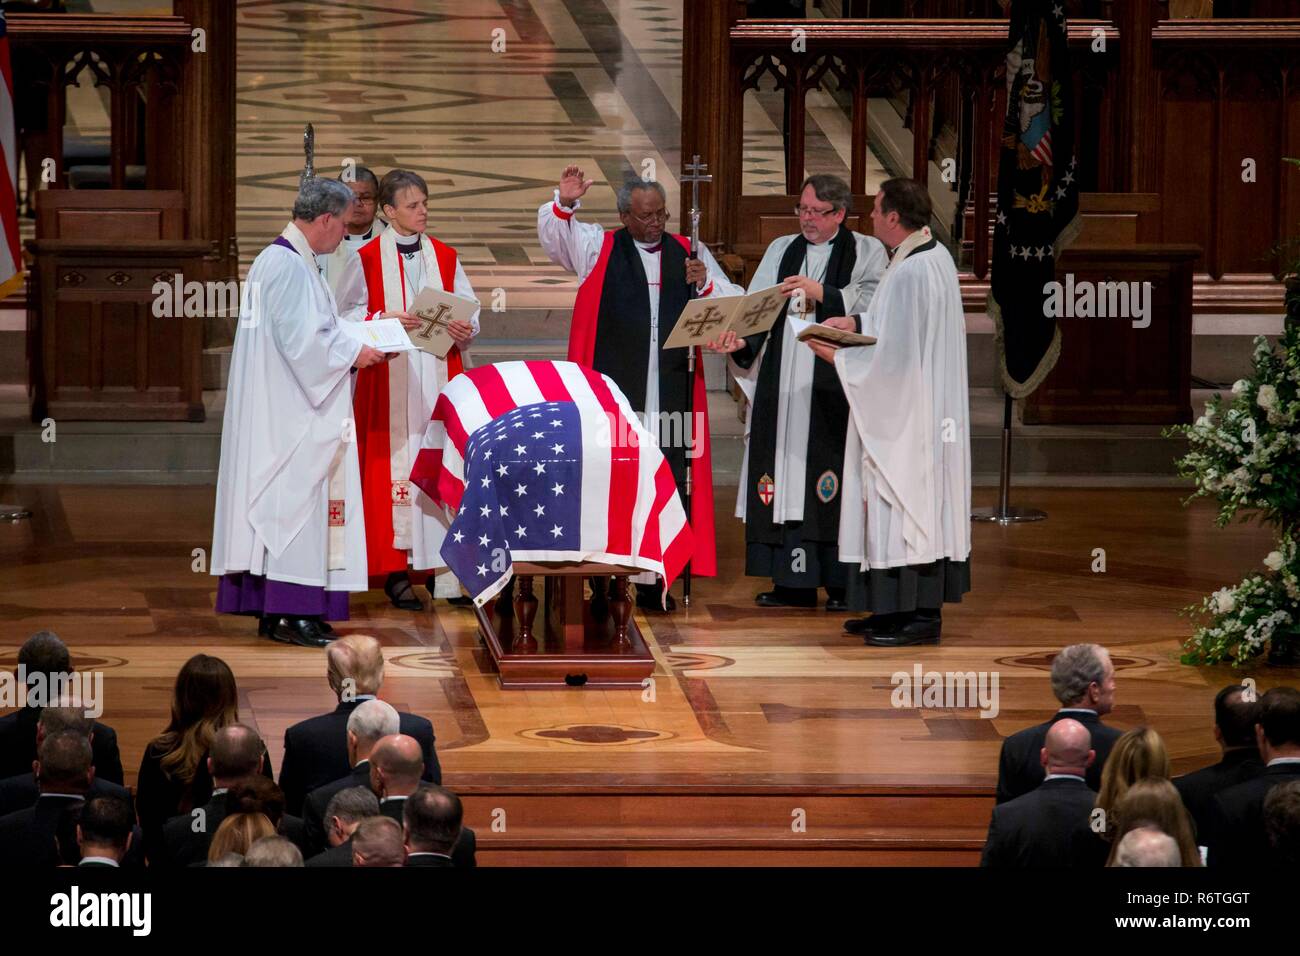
{"points": [[703, 320], [436, 310]]}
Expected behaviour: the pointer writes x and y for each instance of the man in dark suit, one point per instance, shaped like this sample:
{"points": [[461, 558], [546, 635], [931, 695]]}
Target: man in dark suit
{"points": [[1083, 680], [237, 752], [43, 660], [1049, 826], [105, 831], [1238, 837], [431, 825], [29, 838], [395, 775], [316, 751], [343, 815], [1234, 729], [369, 722], [20, 791]]}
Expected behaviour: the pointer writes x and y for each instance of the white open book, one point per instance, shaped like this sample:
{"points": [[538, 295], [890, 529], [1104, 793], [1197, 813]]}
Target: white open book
{"points": [[387, 335]]}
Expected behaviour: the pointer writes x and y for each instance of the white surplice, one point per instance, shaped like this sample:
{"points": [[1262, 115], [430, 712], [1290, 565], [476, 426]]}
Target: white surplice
{"points": [[415, 380], [284, 438], [332, 264], [794, 401], [907, 456]]}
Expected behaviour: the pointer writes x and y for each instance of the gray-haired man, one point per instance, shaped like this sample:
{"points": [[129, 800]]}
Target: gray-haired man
{"points": [[1083, 680], [288, 540]]}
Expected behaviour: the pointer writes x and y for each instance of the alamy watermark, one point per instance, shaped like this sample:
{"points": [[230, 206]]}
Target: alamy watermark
{"points": [[1098, 300], [948, 690], [49, 690]]}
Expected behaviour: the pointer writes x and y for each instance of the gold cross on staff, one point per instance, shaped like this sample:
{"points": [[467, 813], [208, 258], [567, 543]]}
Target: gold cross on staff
{"points": [[433, 320], [708, 320]]}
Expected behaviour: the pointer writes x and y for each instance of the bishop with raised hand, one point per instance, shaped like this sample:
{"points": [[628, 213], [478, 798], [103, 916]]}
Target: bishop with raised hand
{"points": [[791, 482], [635, 283], [288, 538], [394, 402], [905, 521]]}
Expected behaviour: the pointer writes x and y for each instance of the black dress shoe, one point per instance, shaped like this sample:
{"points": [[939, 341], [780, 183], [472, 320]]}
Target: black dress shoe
{"points": [[777, 599], [917, 630], [266, 624], [836, 605], [399, 591], [875, 624], [460, 601], [325, 626], [303, 631]]}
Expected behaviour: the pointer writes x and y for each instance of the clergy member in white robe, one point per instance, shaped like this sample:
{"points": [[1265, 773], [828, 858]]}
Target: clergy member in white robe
{"points": [[906, 519], [405, 529], [288, 538], [792, 473], [635, 281], [362, 225]]}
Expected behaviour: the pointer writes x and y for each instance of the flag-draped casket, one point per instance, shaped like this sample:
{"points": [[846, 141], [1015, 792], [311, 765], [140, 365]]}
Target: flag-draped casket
{"points": [[546, 461]]}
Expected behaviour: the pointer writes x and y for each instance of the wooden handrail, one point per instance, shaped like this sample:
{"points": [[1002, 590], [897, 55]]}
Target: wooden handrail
{"points": [[96, 29], [1227, 34], [912, 35]]}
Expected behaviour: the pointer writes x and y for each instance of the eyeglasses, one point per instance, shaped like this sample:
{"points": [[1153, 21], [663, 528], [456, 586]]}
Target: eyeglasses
{"points": [[365, 200], [660, 216], [802, 211]]}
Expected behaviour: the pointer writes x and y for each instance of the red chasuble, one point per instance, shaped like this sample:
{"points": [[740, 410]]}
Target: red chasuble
{"points": [[582, 348], [370, 408]]}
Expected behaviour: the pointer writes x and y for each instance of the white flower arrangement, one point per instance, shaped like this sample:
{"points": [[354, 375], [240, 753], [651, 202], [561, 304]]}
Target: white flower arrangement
{"points": [[1244, 452]]}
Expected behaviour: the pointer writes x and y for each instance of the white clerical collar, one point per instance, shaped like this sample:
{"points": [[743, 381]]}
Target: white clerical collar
{"points": [[360, 237], [105, 860], [649, 246], [445, 856], [1063, 776], [298, 239], [1281, 760], [387, 799]]}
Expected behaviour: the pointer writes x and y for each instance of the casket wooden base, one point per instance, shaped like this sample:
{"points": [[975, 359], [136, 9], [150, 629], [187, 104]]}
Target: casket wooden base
{"points": [[571, 642]]}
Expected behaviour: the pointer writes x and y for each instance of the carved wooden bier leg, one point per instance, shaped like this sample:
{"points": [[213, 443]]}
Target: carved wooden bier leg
{"points": [[526, 613], [621, 610]]}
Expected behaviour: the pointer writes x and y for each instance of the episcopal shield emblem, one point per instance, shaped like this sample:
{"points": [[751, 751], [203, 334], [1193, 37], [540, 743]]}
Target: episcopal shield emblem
{"points": [[766, 489], [336, 513], [828, 486], [401, 492]]}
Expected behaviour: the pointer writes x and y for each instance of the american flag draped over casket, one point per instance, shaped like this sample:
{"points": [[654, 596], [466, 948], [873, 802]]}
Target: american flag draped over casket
{"points": [[546, 461]]}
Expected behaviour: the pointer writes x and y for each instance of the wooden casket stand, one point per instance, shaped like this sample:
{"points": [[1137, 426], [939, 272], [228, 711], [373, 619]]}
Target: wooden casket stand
{"points": [[574, 642]]}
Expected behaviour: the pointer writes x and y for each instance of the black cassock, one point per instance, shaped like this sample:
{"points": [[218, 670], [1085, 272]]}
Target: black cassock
{"points": [[770, 547]]}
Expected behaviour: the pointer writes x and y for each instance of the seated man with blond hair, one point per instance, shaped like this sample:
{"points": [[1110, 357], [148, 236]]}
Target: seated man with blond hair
{"points": [[316, 749]]}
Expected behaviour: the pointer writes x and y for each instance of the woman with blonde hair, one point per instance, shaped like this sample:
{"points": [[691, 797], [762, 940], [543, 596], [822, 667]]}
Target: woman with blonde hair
{"points": [[237, 833], [1138, 754], [1153, 802], [174, 776]]}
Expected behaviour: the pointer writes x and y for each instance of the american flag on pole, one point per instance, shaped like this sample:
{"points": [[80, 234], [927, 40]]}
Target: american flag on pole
{"points": [[11, 261], [546, 461]]}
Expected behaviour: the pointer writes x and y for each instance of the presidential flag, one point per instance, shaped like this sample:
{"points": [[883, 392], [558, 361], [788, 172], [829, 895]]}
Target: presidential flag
{"points": [[546, 461], [1038, 193]]}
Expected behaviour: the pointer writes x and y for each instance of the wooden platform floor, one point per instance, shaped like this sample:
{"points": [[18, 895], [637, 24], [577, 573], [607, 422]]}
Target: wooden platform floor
{"points": [[742, 697]]}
